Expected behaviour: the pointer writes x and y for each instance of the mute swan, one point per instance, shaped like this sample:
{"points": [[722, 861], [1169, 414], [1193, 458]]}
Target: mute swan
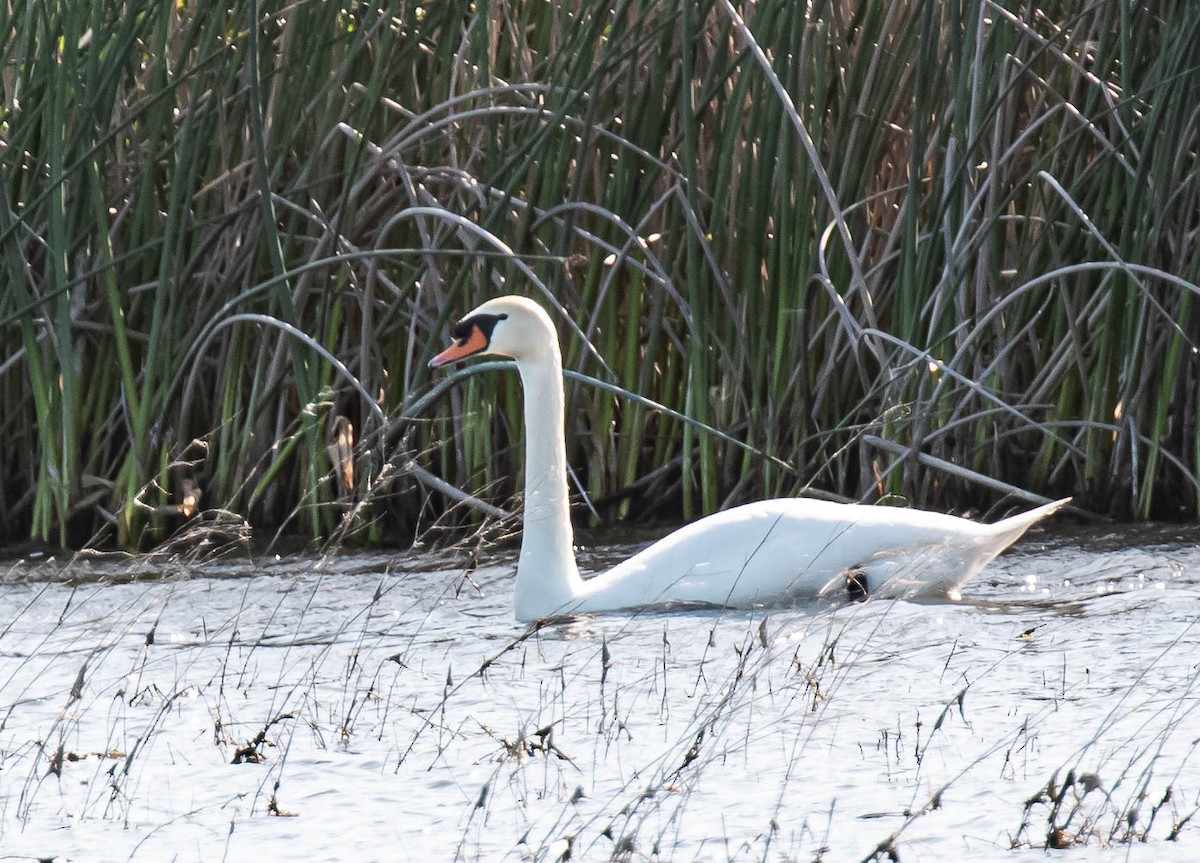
{"points": [[766, 553]]}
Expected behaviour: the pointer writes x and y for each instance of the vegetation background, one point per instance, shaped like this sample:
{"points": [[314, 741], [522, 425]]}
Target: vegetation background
{"points": [[942, 251]]}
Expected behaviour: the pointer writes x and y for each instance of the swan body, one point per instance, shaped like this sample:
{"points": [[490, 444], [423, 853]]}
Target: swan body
{"points": [[767, 553]]}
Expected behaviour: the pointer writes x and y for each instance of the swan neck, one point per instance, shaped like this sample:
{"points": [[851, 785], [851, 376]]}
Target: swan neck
{"points": [[547, 575]]}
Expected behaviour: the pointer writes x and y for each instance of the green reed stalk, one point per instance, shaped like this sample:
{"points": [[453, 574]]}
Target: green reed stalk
{"points": [[865, 240]]}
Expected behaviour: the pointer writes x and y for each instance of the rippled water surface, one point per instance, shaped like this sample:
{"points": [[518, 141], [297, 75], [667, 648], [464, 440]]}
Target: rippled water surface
{"points": [[379, 708]]}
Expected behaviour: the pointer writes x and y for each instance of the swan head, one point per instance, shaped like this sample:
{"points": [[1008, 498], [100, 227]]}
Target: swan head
{"points": [[513, 327]]}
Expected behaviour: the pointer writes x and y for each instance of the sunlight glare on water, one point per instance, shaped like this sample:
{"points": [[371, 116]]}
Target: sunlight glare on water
{"points": [[350, 711]]}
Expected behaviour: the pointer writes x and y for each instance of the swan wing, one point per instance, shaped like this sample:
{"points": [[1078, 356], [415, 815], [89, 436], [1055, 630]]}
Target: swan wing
{"points": [[785, 550]]}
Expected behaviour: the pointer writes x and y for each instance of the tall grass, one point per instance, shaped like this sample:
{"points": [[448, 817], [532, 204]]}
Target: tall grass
{"points": [[943, 251]]}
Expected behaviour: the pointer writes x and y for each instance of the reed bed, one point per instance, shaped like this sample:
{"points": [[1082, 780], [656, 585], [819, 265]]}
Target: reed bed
{"points": [[945, 252]]}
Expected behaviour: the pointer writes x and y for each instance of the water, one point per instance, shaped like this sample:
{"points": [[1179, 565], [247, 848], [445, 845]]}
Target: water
{"points": [[353, 709]]}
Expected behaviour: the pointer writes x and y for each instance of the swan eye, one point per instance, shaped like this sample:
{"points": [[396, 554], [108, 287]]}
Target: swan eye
{"points": [[484, 323], [462, 330], [471, 336]]}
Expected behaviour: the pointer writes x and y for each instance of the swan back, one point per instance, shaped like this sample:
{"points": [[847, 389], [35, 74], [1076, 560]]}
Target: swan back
{"points": [[778, 552]]}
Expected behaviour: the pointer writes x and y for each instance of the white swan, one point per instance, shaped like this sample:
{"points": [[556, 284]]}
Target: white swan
{"points": [[767, 553]]}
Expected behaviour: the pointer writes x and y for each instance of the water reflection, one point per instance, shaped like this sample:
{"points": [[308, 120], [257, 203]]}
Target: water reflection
{"points": [[382, 705]]}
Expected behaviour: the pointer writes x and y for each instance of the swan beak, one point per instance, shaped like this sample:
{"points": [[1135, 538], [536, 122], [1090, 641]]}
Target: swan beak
{"points": [[474, 342]]}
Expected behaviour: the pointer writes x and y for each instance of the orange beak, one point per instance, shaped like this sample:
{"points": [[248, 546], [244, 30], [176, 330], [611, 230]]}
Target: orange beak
{"points": [[463, 348]]}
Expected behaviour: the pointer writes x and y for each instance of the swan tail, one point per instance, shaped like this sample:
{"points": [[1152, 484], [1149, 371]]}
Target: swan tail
{"points": [[1007, 531], [1001, 534]]}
